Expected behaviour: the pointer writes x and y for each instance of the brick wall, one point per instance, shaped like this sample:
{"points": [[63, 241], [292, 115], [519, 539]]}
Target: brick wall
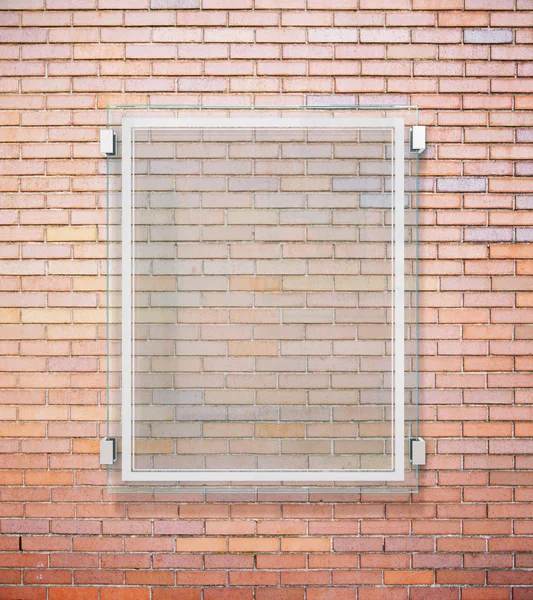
{"points": [[468, 533]]}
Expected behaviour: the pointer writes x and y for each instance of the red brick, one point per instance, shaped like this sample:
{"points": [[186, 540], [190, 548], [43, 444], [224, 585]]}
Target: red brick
{"points": [[228, 594], [395, 593], [9, 576], [333, 593], [123, 593], [287, 594], [29, 593], [252, 578], [480, 594], [49, 576], [176, 594], [179, 561], [305, 577], [286, 561], [522, 593], [357, 545]]}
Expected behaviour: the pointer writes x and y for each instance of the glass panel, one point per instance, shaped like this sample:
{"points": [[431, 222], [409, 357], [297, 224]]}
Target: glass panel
{"points": [[263, 305]]}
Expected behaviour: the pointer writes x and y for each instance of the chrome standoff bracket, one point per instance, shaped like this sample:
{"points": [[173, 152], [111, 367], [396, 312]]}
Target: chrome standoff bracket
{"points": [[417, 138], [108, 451], [417, 451], [108, 142]]}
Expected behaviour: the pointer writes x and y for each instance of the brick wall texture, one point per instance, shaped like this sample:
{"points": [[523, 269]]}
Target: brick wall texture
{"points": [[468, 533]]}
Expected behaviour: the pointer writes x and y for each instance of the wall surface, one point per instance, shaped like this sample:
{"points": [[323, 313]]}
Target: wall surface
{"points": [[468, 533]]}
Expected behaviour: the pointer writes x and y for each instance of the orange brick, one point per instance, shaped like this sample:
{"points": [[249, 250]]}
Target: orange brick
{"points": [[253, 545], [186, 544], [408, 577], [23, 430], [305, 544]]}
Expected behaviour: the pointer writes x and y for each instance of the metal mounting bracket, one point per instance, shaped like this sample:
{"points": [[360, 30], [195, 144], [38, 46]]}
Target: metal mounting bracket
{"points": [[108, 451], [417, 451], [417, 138], [108, 142]]}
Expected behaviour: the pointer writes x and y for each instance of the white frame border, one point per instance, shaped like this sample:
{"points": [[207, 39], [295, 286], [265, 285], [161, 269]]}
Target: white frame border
{"points": [[398, 409]]}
